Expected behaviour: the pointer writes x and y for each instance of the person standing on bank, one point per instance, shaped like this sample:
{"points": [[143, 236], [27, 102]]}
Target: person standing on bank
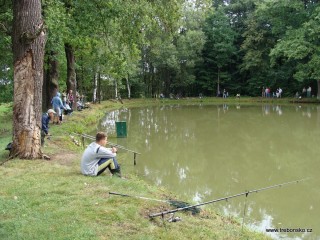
{"points": [[70, 99], [97, 158], [224, 93], [46, 117], [263, 92], [309, 92], [57, 106], [304, 92]]}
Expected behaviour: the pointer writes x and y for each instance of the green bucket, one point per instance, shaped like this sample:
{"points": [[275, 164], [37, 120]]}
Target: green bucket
{"points": [[121, 128]]}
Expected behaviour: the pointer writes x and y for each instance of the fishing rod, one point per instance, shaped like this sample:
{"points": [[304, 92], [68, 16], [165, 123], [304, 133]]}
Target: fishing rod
{"points": [[145, 198], [175, 203], [109, 143], [225, 198], [112, 145]]}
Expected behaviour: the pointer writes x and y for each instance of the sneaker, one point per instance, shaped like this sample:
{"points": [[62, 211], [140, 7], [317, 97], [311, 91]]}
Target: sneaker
{"points": [[116, 172]]}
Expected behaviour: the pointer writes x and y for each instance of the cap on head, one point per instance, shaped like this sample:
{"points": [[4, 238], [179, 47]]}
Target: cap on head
{"points": [[51, 111]]}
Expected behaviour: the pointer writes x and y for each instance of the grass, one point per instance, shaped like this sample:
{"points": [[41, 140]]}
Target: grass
{"points": [[5, 128], [51, 200]]}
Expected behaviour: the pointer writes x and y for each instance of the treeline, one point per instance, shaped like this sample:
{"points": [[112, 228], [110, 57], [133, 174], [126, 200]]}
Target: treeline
{"points": [[110, 49]]}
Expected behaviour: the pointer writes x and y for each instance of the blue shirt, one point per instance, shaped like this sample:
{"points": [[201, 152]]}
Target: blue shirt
{"points": [[56, 102], [45, 122]]}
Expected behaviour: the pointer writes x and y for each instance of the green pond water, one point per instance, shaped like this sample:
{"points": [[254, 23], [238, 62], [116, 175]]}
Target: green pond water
{"points": [[205, 152]]}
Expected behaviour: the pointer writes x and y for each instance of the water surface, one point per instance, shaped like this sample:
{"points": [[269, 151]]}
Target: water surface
{"points": [[206, 152]]}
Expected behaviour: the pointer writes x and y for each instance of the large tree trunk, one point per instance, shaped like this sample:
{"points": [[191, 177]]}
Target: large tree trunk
{"points": [[28, 43], [50, 84], [71, 72]]}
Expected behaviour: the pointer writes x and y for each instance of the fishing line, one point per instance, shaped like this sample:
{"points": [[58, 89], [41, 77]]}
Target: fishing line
{"points": [[135, 153], [226, 198], [244, 211]]}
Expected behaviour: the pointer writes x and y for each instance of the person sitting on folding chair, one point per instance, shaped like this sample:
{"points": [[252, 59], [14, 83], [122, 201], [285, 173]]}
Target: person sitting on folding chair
{"points": [[97, 158]]}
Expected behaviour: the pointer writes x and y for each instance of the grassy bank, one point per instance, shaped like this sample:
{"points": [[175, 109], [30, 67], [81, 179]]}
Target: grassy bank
{"points": [[5, 128], [51, 200]]}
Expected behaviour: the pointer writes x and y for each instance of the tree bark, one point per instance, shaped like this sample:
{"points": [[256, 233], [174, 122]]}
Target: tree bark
{"points": [[115, 89], [152, 81], [71, 72], [95, 86], [99, 88], [128, 87], [80, 76], [28, 43], [318, 94], [50, 84], [218, 86]]}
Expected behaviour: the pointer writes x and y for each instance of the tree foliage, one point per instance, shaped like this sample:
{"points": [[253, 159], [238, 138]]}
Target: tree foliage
{"points": [[144, 48], [217, 53], [6, 59]]}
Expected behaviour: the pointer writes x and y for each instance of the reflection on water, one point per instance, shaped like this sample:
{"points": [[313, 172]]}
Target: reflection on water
{"points": [[208, 152]]}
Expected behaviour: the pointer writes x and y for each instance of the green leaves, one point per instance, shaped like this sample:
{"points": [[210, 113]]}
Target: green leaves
{"points": [[280, 43], [293, 46], [218, 51], [6, 68], [181, 46], [300, 47]]}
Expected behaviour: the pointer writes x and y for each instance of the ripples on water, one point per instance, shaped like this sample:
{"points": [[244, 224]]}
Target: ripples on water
{"points": [[206, 152]]}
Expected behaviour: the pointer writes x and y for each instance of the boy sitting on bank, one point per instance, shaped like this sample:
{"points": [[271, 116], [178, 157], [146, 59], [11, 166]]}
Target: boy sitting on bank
{"points": [[97, 158]]}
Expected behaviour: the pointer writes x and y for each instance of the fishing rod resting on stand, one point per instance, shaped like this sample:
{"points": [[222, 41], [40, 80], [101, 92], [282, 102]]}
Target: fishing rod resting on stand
{"points": [[83, 136], [224, 198]]}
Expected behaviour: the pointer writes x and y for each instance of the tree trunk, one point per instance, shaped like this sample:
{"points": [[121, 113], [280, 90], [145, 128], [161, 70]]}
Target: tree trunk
{"points": [[95, 86], [218, 86], [99, 87], [50, 85], [116, 89], [128, 87], [71, 72], [80, 76], [28, 43], [152, 82], [318, 93]]}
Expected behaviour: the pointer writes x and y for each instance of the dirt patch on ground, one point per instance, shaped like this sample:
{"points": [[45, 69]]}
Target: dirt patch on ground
{"points": [[61, 155], [65, 158]]}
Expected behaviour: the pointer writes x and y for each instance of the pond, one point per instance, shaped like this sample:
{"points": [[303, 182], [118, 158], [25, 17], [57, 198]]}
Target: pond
{"points": [[205, 152]]}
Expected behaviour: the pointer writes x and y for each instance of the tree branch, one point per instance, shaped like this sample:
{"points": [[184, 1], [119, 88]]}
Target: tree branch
{"points": [[3, 27], [28, 37]]}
